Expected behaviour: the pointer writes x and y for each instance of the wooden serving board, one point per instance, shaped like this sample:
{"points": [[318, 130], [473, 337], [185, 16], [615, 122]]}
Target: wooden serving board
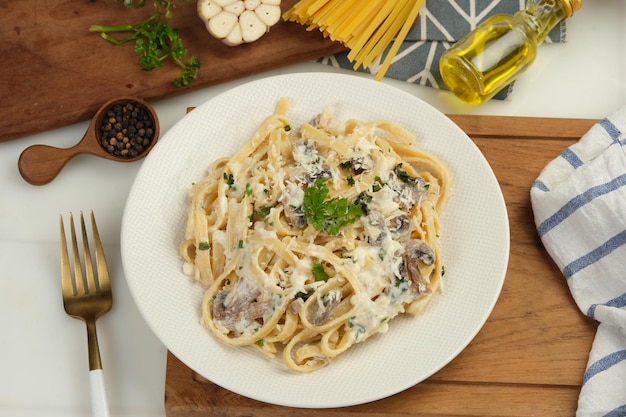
{"points": [[55, 72], [528, 359]]}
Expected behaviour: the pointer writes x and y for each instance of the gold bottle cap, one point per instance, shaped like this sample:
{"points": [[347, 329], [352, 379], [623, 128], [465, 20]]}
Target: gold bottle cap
{"points": [[571, 6]]}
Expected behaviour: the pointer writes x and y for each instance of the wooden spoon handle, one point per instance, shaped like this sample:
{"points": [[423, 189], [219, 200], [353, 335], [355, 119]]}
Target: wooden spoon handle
{"points": [[40, 164]]}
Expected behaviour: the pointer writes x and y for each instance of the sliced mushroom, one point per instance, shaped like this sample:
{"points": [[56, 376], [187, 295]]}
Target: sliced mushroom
{"points": [[359, 164], [310, 166], [400, 227], [410, 191], [239, 303], [295, 216], [417, 251], [419, 190], [323, 172], [325, 306], [295, 306], [291, 199], [322, 120]]}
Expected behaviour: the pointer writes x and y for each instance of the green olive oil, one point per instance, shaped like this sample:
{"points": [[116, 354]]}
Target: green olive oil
{"points": [[493, 55]]}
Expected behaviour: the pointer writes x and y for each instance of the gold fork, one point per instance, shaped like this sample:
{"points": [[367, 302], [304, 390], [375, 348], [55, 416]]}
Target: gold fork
{"points": [[86, 297]]}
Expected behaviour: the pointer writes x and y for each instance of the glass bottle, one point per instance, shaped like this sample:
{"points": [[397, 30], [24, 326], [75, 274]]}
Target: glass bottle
{"points": [[489, 58]]}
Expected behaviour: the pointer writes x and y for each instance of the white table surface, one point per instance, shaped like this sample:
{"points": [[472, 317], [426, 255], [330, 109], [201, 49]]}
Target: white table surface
{"points": [[43, 352]]}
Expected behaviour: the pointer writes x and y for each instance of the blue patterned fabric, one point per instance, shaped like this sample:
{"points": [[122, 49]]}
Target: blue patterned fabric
{"points": [[440, 24], [579, 202]]}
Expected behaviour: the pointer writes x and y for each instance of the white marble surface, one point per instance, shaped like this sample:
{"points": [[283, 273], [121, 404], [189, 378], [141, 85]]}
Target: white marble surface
{"points": [[43, 353]]}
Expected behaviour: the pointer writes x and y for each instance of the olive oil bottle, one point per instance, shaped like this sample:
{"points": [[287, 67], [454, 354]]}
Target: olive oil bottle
{"points": [[489, 58]]}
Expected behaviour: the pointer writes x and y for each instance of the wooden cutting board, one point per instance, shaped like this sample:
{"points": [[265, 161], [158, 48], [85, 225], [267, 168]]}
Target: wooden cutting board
{"points": [[528, 359], [55, 72]]}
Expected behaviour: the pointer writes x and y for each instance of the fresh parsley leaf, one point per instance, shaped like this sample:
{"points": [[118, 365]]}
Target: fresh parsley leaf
{"points": [[204, 246], [318, 272], [261, 213], [402, 174], [328, 214]]}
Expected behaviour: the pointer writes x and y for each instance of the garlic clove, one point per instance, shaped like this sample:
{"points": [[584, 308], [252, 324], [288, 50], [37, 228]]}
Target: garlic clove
{"points": [[235, 8], [224, 3], [252, 28], [252, 4], [208, 9], [221, 25], [235, 37], [270, 15]]}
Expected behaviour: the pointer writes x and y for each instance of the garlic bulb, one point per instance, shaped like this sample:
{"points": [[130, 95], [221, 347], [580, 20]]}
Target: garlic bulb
{"points": [[235, 22]]}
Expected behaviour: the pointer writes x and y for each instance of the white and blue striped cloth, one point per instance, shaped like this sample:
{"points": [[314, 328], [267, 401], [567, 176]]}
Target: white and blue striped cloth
{"points": [[579, 203]]}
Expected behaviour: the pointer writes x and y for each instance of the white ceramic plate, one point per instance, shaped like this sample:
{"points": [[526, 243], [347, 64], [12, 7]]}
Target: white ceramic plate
{"points": [[475, 245]]}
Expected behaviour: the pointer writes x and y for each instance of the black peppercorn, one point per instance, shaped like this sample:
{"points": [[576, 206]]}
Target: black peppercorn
{"points": [[126, 130]]}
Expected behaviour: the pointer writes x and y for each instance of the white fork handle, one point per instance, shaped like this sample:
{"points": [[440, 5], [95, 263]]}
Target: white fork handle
{"points": [[99, 404]]}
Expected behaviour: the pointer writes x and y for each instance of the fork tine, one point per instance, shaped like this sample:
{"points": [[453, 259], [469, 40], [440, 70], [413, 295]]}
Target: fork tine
{"points": [[89, 272], [101, 263], [78, 273], [66, 272]]}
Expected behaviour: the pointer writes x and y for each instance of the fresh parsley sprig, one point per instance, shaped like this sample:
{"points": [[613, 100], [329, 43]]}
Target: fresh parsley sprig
{"points": [[328, 214], [155, 41]]}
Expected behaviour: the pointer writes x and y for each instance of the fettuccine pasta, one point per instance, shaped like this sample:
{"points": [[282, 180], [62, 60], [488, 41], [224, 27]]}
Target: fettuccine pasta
{"points": [[311, 239]]}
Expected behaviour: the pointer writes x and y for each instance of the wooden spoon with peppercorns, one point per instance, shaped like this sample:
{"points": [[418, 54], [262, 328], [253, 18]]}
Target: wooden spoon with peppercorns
{"points": [[123, 129]]}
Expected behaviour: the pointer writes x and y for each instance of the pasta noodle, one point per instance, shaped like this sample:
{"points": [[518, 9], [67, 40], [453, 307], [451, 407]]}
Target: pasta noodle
{"points": [[311, 240], [366, 27]]}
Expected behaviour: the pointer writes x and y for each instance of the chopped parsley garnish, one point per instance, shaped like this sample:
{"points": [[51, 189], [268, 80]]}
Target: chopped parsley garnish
{"points": [[260, 342], [362, 200], [350, 180], [353, 324], [400, 281], [378, 184], [318, 272], [304, 295], [230, 179], [346, 164], [403, 175], [328, 214], [248, 189], [204, 246], [261, 213]]}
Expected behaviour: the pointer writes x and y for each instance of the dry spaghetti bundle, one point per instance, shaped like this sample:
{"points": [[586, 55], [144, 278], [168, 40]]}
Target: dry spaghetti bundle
{"points": [[366, 27]]}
